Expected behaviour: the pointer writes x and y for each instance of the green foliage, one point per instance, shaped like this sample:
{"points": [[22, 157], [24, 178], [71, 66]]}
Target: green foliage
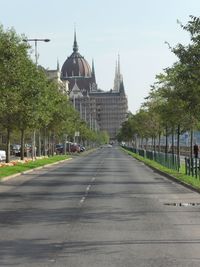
{"points": [[178, 175], [29, 101], [174, 98], [10, 170]]}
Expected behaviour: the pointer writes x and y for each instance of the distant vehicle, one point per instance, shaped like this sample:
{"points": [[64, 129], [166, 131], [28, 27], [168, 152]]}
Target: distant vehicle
{"points": [[70, 147], [74, 148], [59, 148], [108, 145], [82, 148], [123, 143], [15, 150], [2, 155]]}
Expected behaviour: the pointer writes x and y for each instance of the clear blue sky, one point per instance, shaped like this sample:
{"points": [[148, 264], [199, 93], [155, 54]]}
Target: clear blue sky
{"points": [[137, 30]]}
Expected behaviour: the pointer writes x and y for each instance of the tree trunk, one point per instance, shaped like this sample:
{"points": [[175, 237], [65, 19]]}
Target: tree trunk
{"points": [[142, 142], [45, 142], [39, 143], [65, 144], [191, 143], [154, 143], [172, 141], [178, 146], [33, 146], [166, 140], [159, 138], [22, 145], [49, 144], [8, 146], [172, 148], [53, 144], [146, 144]]}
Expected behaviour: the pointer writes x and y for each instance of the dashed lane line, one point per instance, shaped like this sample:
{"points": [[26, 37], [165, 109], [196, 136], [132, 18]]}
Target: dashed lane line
{"points": [[87, 191]]}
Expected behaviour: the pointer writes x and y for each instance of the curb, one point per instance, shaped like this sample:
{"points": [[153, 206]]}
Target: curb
{"points": [[172, 178], [31, 170], [169, 176]]}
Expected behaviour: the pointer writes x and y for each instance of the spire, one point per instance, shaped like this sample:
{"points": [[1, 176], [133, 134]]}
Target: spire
{"points": [[58, 65], [118, 67], [75, 46], [116, 71], [116, 86], [93, 72], [118, 76], [121, 87]]}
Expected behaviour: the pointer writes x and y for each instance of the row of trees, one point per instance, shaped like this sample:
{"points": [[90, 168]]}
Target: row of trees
{"points": [[30, 103], [173, 104]]}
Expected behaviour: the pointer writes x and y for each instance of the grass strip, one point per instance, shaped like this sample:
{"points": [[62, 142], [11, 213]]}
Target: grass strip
{"points": [[21, 167], [181, 176]]}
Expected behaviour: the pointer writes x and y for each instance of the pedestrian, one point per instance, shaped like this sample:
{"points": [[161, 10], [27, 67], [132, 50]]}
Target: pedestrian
{"points": [[196, 150]]}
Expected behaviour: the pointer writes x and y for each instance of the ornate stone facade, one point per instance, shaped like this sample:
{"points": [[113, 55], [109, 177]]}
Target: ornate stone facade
{"points": [[102, 110]]}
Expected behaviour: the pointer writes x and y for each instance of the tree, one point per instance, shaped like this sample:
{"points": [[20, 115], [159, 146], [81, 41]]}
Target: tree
{"points": [[13, 55], [188, 74]]}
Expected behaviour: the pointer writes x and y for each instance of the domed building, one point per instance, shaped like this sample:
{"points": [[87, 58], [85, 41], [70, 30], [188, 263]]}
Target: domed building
{"points": [[102, 110], [76, 68]]}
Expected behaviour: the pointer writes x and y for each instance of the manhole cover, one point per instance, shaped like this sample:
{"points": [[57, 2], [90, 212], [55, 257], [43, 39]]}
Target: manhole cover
{"points": [[184, 204]]}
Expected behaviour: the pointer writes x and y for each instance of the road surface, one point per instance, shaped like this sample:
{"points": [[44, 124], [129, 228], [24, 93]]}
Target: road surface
{"points": [[102, 209]]}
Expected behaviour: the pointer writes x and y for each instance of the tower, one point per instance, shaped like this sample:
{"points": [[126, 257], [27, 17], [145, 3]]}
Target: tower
{"points": [[102, 110], [77, 68], [118, 76]]}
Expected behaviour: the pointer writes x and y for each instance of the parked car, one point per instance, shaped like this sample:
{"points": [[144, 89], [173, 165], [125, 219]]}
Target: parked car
{"points": [[59, 148], [74, 147], [2, 155], [15, 150], [82, 148], [109, 145]]}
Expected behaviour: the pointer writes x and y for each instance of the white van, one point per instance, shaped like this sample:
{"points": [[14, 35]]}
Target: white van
{"points": [[2, 155]]}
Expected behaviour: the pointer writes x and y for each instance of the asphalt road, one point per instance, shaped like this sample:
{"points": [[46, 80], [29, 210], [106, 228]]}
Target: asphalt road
{"points": [[104, 209]]}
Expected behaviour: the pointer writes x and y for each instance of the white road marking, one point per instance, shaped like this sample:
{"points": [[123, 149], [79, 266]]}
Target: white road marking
{"points": [[82, 200], [87, 191], [88, 188]]}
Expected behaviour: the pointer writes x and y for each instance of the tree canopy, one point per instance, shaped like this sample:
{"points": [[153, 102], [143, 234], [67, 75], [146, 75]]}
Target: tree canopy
{"points": [[174, 98], [30, 102]]}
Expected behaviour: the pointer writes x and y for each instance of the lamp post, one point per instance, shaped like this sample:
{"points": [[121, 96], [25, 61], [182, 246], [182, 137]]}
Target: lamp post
{"points": [[36, 40]]}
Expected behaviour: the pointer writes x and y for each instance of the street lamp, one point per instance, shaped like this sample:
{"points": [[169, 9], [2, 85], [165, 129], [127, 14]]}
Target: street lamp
{"points": [[36, 40]]}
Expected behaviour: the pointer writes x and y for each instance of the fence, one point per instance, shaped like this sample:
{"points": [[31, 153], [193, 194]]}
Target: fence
{"points": [[192, 167], [170, 161]]}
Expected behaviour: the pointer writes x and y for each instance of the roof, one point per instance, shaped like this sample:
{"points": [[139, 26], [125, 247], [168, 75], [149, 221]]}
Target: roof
{"points": [[75, 65]]}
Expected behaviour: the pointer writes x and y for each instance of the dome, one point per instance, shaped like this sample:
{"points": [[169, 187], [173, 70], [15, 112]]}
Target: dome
{"points": [[75, 65]]}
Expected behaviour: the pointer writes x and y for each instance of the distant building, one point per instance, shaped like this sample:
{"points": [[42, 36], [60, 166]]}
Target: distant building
{"points": [[102, 110], [54, 75]]}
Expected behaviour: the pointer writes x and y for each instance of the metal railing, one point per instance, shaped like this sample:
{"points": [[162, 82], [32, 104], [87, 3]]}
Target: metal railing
{"points": [[192, 167], [171, 161]]}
